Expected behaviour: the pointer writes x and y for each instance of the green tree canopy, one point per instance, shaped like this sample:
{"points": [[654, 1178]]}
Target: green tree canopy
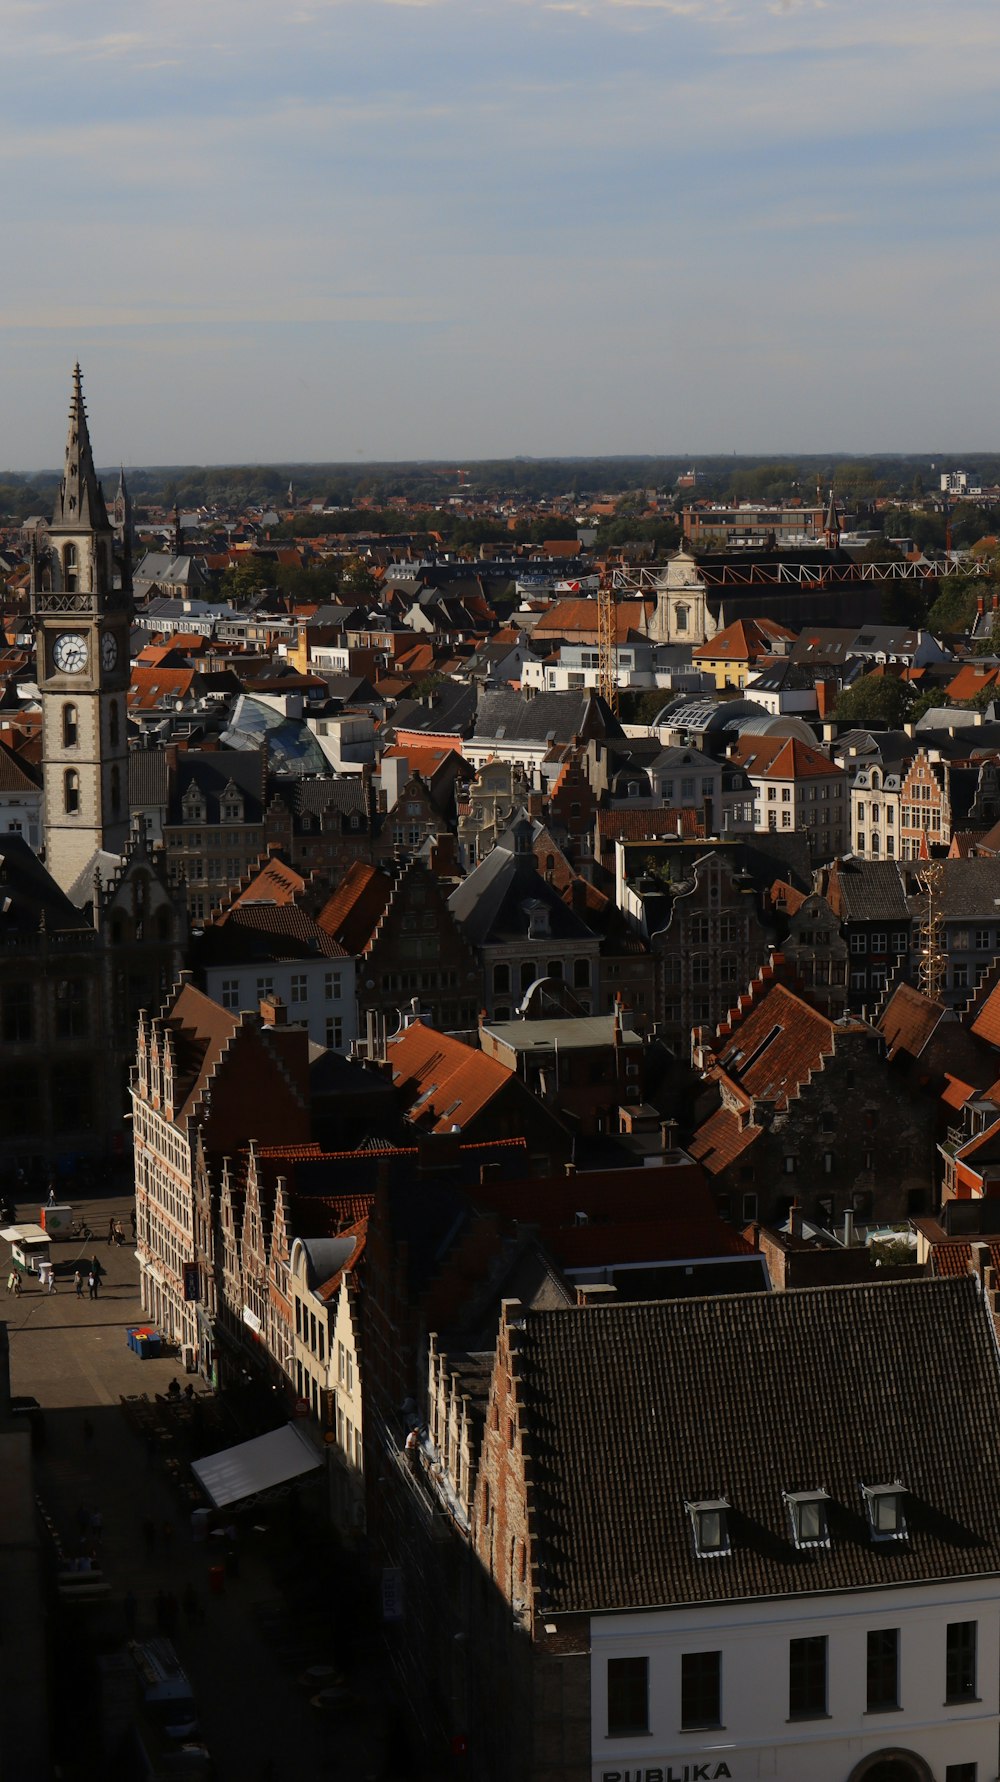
{"points": [[875, 698]]}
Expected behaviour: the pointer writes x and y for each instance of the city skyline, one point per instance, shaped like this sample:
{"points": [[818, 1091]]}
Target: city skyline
{"points": [[424, 231]]}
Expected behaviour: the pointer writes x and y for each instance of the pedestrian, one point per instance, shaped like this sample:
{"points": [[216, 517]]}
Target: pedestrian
{"points": [[17, 1284], [88, 1434], [149, 1535], [96, 1265], [132, 1218], [78, 1284], [131, 1610], [119, 1232], [111, 1231], [91, 1285], [52, 1196]]}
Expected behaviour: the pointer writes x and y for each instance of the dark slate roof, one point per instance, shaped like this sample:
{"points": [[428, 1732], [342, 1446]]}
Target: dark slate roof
{"points": [[148, 779], [253, 932], [507, 717], [872, 891], [213, 770], [28, 894], [634, 1410], [968, 888], [347, 795], [489, 903], [450, 712]]}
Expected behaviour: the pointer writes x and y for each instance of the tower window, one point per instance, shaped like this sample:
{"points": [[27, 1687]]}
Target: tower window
{"points": [[681, 617], [113, 723], [116, 789], [71, 792], [69, 568], [70, 727]]}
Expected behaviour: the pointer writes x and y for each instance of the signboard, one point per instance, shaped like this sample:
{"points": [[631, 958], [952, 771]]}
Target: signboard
{"points": [[252, 1319], [680, 1770], [392, 1593]]}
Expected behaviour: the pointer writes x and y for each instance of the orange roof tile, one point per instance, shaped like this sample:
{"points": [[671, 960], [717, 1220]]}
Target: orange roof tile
{"points": [[986, 1025], [444, 1083], [352, 914]]}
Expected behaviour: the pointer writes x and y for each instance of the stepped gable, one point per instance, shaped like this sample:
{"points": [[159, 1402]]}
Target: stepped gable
{"points": [[632, 1411], [355, 909]]}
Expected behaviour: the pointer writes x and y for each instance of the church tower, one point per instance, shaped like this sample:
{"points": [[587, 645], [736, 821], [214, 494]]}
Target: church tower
{"points": [[82, 601]]}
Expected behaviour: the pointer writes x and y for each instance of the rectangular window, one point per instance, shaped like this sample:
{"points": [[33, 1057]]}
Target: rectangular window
{"points": [[300, 987], [883, 1669], [878, 942], [859, 943], [701, 1689], [230, 993], [71, 1008], [960, 1662], [807, 1677], [961, 1772], [335, 1033], [265, 987], [984, 940], [332, 986], [18, 1022], [628, 1697]]}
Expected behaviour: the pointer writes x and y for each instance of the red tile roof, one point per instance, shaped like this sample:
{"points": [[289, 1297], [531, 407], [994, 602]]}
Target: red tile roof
{"points": [[443, 1082], [352, 914], [773, 1049], [986, 1025], [721, 1139], [783, 758], [908, 1020], [744, 641]]}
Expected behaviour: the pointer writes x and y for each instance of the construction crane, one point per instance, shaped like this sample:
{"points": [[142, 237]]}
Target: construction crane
{"points": [[607, 642]]}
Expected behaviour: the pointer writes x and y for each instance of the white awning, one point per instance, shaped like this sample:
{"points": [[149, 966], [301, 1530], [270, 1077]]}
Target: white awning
{"points": [[255, 1467]]}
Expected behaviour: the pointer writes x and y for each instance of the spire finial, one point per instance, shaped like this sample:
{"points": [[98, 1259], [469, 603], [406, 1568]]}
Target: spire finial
{"points": [[80, 502]]}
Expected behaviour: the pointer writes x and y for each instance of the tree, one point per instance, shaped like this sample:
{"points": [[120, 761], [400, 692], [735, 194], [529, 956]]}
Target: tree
{"points": [[245, 579], [875, 698], [955, 607]]}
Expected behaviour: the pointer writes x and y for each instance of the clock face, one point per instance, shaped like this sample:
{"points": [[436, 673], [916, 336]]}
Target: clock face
{"points": [[109, 650], [69, 653]]}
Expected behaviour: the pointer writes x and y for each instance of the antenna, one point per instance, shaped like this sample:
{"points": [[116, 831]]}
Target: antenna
{"points": [[933, 961]]}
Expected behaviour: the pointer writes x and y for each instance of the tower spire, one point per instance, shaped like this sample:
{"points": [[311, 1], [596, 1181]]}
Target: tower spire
{"points": [[80, 502]]}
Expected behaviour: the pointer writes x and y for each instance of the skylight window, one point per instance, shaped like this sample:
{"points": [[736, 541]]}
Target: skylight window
{"points": [[808, 1514], [886, 1506], [710, 1525]]}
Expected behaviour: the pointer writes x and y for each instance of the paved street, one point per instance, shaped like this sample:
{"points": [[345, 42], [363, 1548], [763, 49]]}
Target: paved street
{"points": [[255, 1639]]}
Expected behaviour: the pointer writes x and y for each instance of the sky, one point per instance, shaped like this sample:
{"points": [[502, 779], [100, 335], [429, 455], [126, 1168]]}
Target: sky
{"points": [[357, 230]]}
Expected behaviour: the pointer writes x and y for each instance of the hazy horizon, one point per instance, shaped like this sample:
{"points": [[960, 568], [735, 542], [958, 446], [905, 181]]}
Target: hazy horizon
{"points": [[386, 231]]}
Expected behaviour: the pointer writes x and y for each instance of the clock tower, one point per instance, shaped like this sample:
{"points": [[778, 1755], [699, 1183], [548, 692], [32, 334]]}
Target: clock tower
{"points": [[81, 595]]}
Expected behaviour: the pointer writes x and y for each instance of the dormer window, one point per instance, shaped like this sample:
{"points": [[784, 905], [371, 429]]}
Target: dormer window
{"points": [[710, 1523], [886, 1506], [807, 1512]]}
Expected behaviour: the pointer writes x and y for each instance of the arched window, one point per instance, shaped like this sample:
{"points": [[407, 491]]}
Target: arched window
{"points": [[116, 789], [69, 568], [681, 616], [71, 792], [70, 727], [113, 723]]}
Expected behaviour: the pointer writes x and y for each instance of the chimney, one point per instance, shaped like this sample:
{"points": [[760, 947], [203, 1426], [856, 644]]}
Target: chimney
{"points": [[848, 1229], [595, 1293], [981, 1261], [668, 1134], [570, 1169], [980, 606], [795, 1219], [273, 1012], [578, 896]]}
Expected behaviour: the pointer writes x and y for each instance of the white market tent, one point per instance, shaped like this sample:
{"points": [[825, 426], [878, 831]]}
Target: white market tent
{"points": [[256, 1467]]}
